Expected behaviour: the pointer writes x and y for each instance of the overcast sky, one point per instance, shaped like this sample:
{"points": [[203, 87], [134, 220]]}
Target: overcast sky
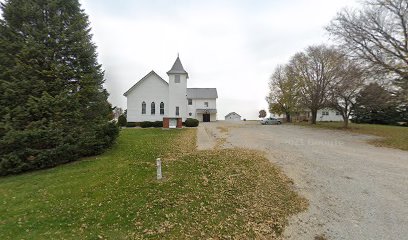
{"points": [[230, 45]]}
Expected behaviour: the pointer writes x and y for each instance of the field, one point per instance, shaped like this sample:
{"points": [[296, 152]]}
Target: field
{"points": [[391, 136], [204, 194]]}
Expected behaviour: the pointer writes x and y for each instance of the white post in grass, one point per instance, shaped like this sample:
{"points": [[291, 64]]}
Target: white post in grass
{"points": [[159, 171]]}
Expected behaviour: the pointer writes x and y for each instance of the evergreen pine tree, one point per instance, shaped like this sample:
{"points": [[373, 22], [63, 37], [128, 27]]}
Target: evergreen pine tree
{"points": [[54, 108], [375, 104]]}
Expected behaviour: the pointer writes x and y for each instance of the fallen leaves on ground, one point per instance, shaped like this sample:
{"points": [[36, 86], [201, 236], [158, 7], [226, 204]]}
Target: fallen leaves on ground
{"points": [[218, 194]]}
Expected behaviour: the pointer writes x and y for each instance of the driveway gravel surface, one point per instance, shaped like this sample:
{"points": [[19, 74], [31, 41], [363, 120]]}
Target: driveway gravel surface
{"points": [[355, 190]]}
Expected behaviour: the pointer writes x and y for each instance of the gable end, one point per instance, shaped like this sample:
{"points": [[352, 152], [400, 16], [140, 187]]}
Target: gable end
{"points": [[141, 80]]}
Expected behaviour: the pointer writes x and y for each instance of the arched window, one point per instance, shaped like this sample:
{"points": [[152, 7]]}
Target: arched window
{"points": [[153, 108], [161, 108], [143, 108]]}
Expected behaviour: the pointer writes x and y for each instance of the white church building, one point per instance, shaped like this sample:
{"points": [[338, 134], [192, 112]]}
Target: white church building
{"points": [[152, 98]]}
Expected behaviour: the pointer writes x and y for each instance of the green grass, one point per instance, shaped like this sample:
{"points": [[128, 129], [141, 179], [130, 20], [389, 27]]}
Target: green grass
{"points": [[391, 136], [203, 194]]}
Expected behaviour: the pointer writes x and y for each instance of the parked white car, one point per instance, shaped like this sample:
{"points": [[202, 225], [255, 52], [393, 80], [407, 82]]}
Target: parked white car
{"points": [[270, 121]]}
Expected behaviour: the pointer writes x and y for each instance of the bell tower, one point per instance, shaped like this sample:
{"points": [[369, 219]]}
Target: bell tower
{"points": [[177, 90]]}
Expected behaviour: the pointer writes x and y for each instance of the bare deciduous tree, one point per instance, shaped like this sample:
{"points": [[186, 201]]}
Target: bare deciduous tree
{"points": [[378, 35], [316, 70], [345, 90], [283, 93]]}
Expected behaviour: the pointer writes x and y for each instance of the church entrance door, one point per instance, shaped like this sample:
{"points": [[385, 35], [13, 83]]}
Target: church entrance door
{"points": [[206, 117]]}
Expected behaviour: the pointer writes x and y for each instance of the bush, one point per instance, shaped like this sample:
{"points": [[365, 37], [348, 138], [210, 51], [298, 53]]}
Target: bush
{"points": [[110, 133], [97, 138], [147, 124], [132, 124], [32, 149], [122, 120], [158, 124], [191, 122]]}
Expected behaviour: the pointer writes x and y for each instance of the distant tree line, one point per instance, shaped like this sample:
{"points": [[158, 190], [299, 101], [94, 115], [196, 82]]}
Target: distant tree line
{"points": [[364, 77], [53, 107]]}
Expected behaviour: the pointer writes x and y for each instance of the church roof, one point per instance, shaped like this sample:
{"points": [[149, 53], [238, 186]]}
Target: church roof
{"points": [[177, 68], [201, 93], [141, 80]]}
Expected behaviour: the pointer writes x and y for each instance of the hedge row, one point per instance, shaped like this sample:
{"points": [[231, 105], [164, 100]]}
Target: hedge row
{"points": [[190, 122], [133, 124], [147, 124]]}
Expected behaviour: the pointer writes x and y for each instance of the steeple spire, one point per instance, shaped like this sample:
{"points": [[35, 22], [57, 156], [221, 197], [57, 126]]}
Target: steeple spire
{"points": [[177, 67]]}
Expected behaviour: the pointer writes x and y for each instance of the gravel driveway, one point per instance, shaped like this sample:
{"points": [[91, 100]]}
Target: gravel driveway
{"points": [[355, 190]]}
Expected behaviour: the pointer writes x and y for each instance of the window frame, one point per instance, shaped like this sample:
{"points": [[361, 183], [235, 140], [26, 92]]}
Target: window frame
{"points": [[162, 108], [177, 78], [153, 108], [206, 104], [177, 111], [190, 101], [143, 107]]}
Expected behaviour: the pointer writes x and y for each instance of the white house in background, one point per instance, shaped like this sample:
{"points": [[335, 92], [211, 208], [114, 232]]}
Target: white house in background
{"points": [[152, 98], [328, 115], [233, 116], [278, 116], [323, 115]]}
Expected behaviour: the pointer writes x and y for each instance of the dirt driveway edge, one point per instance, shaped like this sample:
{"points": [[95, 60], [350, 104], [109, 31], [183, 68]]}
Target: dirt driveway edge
{"points": [[356, 190]]}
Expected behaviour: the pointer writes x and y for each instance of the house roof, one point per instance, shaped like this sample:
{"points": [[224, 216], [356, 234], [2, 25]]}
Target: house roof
{"points": [[199, 93], [177, 68], [231, 113], [141, 80]]}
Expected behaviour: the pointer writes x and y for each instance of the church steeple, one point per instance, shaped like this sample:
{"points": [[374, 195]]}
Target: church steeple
{"points": [[177, 90], [177, 68]]}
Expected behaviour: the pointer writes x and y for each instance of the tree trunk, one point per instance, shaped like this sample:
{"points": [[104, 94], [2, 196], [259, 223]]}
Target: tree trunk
{"points": [[345, 113], [288, 118], [345, 122], [314, 116]]}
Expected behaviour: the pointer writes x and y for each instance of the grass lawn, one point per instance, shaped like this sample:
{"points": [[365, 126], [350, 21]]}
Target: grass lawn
{"points": [[204, 194], [392, 136]]}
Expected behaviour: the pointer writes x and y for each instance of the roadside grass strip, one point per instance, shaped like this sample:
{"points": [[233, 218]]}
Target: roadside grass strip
{"points": [[390, 136]]}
